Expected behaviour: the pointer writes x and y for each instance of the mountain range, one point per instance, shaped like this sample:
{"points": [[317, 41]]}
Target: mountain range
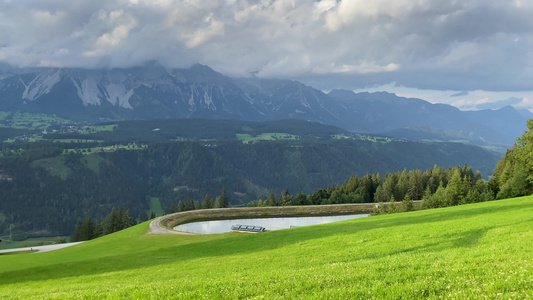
{"points": [[152, 91]]}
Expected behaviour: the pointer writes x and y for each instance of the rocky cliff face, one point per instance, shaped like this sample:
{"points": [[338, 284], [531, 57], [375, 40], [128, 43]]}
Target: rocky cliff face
{"points": [[153, 91]]}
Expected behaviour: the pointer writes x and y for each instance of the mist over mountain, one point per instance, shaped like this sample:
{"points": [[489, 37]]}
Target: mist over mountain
{"points": [[152, 91]]}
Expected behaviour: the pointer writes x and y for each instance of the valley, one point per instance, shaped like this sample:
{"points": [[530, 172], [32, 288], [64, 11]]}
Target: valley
{"points": [[146, 170]]}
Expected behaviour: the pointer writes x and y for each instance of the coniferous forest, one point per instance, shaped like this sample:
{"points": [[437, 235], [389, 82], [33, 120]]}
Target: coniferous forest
{"points": [[45, 191], [50, 185]]}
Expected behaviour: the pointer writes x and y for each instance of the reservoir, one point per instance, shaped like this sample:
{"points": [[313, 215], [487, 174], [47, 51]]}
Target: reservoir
{"points": [[221, 226]]}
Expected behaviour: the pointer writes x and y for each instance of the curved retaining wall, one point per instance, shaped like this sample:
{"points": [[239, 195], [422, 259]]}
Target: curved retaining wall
{"points": [[171, 220]]}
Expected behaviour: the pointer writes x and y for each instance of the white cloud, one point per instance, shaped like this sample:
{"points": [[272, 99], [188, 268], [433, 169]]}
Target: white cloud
{"points": [[440, 45], [200, 36], [120, 24], [363, 68]]}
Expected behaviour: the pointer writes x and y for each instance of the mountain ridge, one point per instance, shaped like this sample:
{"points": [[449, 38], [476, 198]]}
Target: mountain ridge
{"points": [[152, 91]]}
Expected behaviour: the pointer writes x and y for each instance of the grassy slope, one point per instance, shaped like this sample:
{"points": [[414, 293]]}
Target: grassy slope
{"points": [[155, 207], [468, 251]]}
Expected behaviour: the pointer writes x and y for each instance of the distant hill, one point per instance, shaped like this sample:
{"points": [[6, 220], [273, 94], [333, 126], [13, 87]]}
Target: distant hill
{"points": [[152, 91], [420, 120]]}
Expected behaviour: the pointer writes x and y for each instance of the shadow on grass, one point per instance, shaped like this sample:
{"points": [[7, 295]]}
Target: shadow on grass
{"points": [[248, 243]]}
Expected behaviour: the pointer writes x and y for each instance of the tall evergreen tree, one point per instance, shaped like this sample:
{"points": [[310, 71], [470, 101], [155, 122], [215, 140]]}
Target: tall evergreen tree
{"points": [[407, 204], [198, 205], [285, 198], [76, 236], [416, 185], [271, 200], [127, 220], [181, 206], [113, 222], [455, 190], [208, 203], [402, 187], [223, 199], [189, 205]]}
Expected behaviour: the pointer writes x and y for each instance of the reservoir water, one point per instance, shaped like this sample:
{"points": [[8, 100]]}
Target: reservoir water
{"points": [[220, 226]]}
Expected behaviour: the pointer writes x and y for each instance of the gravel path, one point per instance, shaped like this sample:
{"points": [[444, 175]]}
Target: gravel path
{"points": [[156, 228]]}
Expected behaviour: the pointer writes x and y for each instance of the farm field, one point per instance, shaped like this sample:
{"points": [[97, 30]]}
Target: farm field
{"points": [[270, 136], [34, 121], [471, 251]]}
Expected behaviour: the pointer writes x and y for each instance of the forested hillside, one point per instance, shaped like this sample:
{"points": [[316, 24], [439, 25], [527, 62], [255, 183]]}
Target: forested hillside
{"points": [[48, 187], [513, 176]]}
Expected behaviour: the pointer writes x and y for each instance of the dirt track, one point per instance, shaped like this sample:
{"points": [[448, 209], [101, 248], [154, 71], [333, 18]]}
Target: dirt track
{"points": [[156, 228]]}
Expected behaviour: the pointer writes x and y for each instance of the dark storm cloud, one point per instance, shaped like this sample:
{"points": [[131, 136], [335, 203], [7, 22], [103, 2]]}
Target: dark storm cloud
{"points": [[432, 44]]}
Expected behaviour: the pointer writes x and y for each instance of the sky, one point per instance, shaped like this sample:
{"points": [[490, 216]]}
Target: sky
{"points": [[473, 54]]}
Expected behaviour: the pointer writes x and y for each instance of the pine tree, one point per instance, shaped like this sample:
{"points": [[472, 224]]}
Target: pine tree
{"points": [[208, 203], [223, 199], [189, 205], [285, 198], [113, 222], [402, 187], [385, 191], [181, 206], [127, 220], [172, 209], [416, 185], [76, 236], [271, 200], [455, 191], [318, 197], [198, 205], [218, 203], [439, 198], [366, 188], [99, 228], [351, 185], [300, 199], [427, 198], [88, 229], [407, 203], [391, 207]]}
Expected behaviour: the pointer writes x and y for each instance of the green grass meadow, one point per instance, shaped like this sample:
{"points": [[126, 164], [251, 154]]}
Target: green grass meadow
{"points": [[55, 165], [155, 207], [467, 252]]}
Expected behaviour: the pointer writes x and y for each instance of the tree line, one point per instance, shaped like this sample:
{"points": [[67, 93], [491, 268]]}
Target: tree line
{"points": [[90, 229], [513, 176], [436, 187], [219, 202]]}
